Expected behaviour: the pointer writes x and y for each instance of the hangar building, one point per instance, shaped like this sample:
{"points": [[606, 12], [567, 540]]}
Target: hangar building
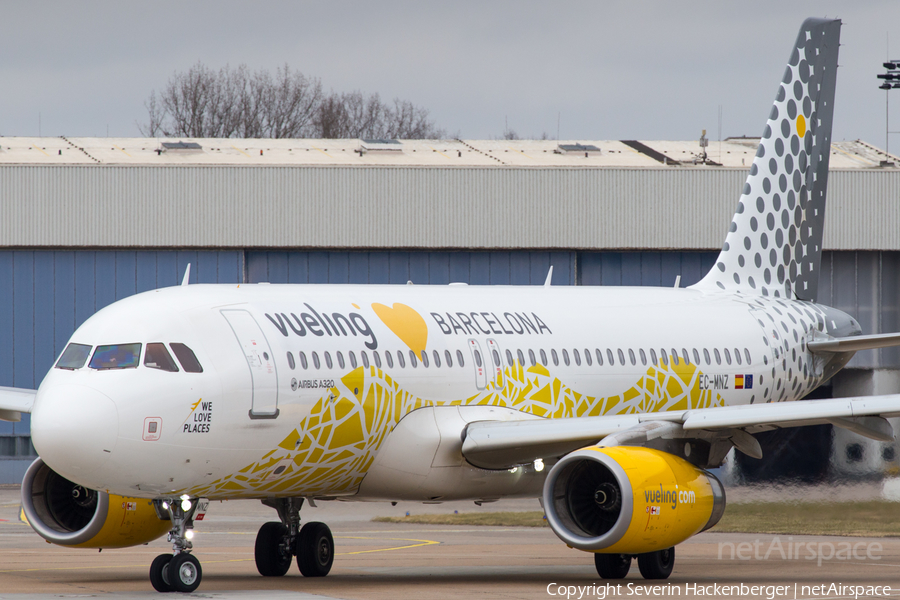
{"points": [[87, 221]]}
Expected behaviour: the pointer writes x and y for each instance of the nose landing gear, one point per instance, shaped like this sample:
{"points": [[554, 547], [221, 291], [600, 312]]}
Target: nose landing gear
{"points": [[180, 571], [276, 543]]}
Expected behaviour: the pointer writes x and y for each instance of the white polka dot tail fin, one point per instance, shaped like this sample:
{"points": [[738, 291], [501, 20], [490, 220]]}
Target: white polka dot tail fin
{"points": [[774, 243]]}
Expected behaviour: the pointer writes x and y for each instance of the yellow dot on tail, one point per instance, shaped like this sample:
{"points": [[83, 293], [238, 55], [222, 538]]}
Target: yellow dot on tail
{"points": [[801, 125]]}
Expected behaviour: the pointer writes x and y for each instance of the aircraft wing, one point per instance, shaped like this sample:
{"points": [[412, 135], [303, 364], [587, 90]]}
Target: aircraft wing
{"points": [[498, 445], [14, 402]]}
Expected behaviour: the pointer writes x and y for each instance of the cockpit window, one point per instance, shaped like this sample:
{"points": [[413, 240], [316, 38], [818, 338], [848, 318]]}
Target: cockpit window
{"points": [[186, 357], [73, 357], [116, 356], [157, 357]]}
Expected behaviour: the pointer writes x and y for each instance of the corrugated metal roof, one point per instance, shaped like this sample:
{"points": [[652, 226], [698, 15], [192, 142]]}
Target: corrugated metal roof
{"points": [[737, 153]]}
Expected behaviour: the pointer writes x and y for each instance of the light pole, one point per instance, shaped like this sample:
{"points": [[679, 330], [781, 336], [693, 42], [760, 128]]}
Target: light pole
{"points": [[889, 81]]}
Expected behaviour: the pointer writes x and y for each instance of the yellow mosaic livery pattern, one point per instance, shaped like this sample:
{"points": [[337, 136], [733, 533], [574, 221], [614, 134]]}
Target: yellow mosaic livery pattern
{"points": [[331, 450]]}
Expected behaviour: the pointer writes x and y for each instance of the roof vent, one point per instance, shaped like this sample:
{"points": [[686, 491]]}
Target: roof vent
{"points": [[586, 149], [181, 147], [380, 147]]}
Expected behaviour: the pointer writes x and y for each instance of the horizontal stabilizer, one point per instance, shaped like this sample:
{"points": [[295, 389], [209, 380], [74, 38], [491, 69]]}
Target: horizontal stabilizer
{"points": [[14, 402], [854, 343]]}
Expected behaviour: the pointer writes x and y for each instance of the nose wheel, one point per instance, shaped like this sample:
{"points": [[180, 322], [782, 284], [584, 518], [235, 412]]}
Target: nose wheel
{"points": [[180, 571], [277, 543]]}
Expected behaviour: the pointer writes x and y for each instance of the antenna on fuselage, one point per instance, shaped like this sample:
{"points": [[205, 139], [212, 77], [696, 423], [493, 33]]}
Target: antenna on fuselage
{"points": [[187, 275], [549, 277]]}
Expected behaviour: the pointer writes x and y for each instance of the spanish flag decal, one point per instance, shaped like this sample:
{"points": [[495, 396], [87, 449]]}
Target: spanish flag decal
{"points": [[743, 382]]}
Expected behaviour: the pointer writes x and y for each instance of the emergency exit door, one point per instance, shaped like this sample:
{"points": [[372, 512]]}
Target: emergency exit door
{"points": [[260, 361]]}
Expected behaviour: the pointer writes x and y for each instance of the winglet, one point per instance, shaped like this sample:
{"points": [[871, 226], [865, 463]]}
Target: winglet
{"points": [[187, 275], [549, 277]]}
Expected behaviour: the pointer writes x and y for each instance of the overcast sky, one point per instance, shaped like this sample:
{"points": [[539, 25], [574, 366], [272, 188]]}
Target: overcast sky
{"points": [[601, 70]]}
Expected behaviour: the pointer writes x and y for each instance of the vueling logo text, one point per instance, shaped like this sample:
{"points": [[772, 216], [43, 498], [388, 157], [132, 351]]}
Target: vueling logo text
{"points": [[673, 497]]}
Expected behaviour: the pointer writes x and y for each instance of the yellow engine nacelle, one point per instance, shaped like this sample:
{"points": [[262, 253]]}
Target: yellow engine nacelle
{"points": [[68, 514], [629, 500]]}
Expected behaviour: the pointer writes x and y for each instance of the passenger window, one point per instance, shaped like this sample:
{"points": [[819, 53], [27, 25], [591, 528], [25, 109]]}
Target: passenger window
{"points": [[531, 357], [413, 362], [674, 357], [587, 357], [448, 358], [664, 357], [303, 362], [157, 357], [424, 359], [73, 357], [521, 357], [747, 356], [437, 358], [352, 356], [652, 356], [555, 357], [478, 362], [643, 356], [685, 356], [377, 359], [718, 356], [400, 360], [565, 354], [706, 356], [365, 358], [543, 357], [290, 358], [459, 358], [577, 356], [696, 356], [609, 356], [621, 357], [727, 356], [316, 362], [631, 356], [496, 356], [599, 357], [340, 359], [328, 362], [186, 357], [389, 358], [509, 358], [737, 356], [116, 356]]}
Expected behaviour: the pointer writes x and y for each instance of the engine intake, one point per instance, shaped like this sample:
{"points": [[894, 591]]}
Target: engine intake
{"points": [[68, 514], [629, 500]]}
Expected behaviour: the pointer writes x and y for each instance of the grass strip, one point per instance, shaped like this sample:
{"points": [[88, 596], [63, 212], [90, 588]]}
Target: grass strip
{"points": [[865, 519]]}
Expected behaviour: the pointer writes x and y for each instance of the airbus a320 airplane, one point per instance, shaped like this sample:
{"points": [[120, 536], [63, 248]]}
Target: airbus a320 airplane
{"points": [[609, 403]]}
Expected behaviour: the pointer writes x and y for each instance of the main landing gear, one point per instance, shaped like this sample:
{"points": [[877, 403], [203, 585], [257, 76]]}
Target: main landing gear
{"points": [[180, 571], [277, 543], [653, 565]]}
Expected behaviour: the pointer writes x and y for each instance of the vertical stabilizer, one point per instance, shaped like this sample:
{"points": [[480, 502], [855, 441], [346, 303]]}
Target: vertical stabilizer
{"points": [[774, 243]]}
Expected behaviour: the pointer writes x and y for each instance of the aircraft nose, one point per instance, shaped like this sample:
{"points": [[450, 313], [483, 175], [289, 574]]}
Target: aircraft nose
{"points": [[74, 428]]}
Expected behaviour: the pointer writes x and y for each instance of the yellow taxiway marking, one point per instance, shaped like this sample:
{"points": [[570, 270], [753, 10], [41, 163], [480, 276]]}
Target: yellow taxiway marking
{"points": [[41, 151], [123, 151], [322, 151], [417, 544], [520, 152], [241, 151]]}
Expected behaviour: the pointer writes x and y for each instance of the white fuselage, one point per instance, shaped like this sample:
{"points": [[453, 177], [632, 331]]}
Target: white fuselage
{"points": [[297, 394]]}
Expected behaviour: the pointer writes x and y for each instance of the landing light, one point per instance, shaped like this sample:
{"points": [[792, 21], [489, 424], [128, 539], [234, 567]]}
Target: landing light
{"points": [[165, 505], [538, 464], [185, 505], [189, 534]]}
